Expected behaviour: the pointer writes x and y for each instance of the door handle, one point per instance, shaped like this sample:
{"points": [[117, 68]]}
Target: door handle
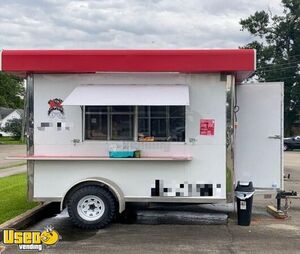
{"points": [[275, 137]]}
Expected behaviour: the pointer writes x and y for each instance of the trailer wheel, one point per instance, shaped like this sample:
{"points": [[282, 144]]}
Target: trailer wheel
{"points": [[91, 207]]}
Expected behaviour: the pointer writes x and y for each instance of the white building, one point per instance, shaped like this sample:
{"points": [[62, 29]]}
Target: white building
{"points": [[7, 114]]}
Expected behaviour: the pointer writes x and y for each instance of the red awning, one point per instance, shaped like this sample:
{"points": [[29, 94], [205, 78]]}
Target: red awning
{"points": [[238, 61]]}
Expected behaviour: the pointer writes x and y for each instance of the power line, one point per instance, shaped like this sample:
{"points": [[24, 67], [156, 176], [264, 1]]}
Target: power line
{"points": [[277, 69], [278, 79], [288, 63], [280, 65], [293, 56]]}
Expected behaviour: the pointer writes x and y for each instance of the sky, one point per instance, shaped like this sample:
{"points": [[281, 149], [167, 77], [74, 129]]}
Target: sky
{"points": [[117, 24]]}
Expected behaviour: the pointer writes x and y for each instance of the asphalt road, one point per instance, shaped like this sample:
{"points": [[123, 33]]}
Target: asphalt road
{"points": [[265, 235]]}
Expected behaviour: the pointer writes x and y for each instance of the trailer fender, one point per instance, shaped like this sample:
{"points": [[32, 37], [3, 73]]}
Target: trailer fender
{"points": [[113, 187]]}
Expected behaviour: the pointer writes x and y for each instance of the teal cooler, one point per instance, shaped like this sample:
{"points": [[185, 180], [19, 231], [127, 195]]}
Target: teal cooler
{"points": [[121, 154]]}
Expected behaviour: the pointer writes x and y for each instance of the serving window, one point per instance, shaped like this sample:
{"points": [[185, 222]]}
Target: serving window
{"points": [[141, 123], [109, 122], [161, 123]]}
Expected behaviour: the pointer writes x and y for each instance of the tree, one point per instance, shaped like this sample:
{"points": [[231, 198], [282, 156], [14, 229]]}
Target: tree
{"points": [[11, 91], [278, 53], [13, 126]]}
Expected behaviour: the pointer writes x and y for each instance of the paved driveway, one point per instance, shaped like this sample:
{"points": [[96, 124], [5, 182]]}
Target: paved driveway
{"points": [[292, 167], [265, 235], [9, 150]]}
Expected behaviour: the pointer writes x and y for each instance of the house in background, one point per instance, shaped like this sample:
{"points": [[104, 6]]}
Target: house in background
{"points": [[8, 114]]}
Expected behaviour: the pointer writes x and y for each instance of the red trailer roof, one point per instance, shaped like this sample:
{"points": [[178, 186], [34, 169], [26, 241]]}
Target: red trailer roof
{"points": [[22, 62]]}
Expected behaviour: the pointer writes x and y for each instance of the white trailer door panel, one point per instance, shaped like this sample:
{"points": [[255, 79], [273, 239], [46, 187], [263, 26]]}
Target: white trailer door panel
{"points": [[259, 133]]}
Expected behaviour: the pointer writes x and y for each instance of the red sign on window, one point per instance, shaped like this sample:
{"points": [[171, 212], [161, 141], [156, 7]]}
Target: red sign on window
{"points": [[207, 127]]}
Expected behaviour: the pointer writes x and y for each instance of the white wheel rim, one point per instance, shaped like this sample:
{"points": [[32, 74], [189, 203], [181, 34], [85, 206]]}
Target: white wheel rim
{"points": [[284, 147], [90, 208]]}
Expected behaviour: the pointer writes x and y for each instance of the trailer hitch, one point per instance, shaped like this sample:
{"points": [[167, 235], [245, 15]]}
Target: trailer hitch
{"points": [[284, 194]]}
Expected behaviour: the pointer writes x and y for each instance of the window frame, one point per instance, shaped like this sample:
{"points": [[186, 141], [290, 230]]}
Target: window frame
{"points": [[109, 113], [167, 119], [84, 126], [135, 127]]}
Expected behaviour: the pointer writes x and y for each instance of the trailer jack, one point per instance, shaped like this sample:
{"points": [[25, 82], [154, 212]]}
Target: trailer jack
{"points": [[278, 212]]}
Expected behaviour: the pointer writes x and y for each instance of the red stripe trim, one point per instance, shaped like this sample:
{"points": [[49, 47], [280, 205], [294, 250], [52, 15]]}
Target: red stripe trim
{"points": [[83, 61]]}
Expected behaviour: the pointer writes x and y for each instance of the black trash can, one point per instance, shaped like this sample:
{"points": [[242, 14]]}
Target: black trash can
{"points": [[244, 199]]}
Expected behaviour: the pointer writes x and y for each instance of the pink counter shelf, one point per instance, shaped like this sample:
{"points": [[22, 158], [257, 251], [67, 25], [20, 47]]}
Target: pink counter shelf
{"points": [[96, 158]]}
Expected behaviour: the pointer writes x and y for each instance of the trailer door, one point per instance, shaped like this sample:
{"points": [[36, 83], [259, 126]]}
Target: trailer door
{"points": [[259, 135]]}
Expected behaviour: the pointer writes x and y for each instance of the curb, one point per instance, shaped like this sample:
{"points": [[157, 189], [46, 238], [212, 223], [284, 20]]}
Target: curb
{"points": [[13, 165], [30, 217]]}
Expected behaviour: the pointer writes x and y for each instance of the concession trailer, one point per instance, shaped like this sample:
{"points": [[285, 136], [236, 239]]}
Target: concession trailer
{"points": [[108, 127]]}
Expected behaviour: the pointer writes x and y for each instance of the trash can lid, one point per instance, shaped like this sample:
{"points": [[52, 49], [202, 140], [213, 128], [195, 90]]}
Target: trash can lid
{"points": [[245, 187]]}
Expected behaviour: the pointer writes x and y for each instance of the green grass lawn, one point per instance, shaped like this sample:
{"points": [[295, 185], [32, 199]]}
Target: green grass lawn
{"points": [[13, 197], [10, 141]]}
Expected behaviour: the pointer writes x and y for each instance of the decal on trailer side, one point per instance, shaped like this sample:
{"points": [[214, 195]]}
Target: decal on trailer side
{"points": [[207, 127], [183, 189], [56, 109]]}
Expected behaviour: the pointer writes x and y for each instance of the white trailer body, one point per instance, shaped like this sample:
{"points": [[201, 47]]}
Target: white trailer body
{"points": [[201, 161], [194, 165]]}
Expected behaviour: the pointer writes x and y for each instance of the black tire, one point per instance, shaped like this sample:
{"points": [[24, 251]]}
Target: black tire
{"points": [[74, 207], [286, 147]]}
